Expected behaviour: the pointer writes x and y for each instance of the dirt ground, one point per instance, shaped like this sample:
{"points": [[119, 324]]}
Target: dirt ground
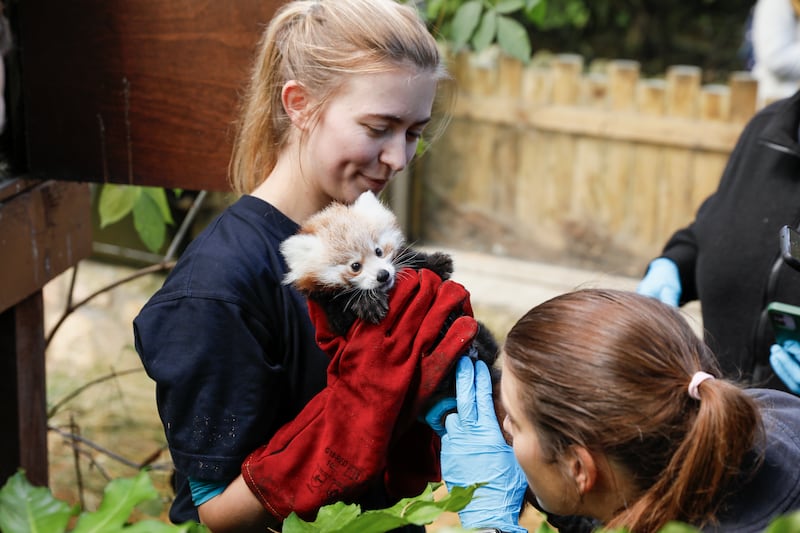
{"points": [[101, 397]]}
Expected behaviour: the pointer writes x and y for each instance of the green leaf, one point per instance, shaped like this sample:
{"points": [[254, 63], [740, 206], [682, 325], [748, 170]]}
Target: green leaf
{"points": [[486, 32], [419, 510], [509, 6], [148, 223], [116, 201], [513, 38], [465, 21], [678, 527], [154, 526], [544, 527], [433, 8], [789, 523], [28, 509], [330, 516], [120, 497], [159, 196], [536, 12]]}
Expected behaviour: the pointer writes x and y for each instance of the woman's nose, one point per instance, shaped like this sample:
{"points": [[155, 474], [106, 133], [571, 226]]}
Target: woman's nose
{"points": [[397, 152]]}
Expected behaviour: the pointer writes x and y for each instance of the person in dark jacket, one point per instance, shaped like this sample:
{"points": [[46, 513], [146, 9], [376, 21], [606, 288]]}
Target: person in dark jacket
{"points": [[729, 257]]}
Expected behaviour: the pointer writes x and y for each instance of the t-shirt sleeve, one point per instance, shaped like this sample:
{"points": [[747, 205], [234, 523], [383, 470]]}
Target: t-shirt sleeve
{"points": [[215, 379]]}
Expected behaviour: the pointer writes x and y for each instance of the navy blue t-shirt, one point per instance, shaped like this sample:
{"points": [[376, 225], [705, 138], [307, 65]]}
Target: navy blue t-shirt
{"points": [[774, 489], [230, 347]]}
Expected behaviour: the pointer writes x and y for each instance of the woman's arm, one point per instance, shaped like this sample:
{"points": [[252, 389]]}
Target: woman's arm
{"points": [[236, 510]]}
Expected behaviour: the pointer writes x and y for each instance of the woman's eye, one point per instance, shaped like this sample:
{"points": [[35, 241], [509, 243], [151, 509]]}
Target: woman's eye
{"points": [[355, 267], [378, 252], [414, 135], [376, 131]]}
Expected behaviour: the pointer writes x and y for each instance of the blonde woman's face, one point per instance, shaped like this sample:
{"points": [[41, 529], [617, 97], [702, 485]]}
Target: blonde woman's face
{"points": [[368, 132]]}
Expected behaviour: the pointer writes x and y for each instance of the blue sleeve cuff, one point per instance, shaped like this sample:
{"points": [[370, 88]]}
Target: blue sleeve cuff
{"points": [[202, 491]]}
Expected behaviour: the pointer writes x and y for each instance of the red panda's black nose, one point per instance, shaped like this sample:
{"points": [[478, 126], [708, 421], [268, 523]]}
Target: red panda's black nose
{"points": [[383, 276]]}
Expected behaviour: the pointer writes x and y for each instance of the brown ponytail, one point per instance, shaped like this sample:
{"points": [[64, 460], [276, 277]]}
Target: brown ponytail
{"points": [[609, 371]]}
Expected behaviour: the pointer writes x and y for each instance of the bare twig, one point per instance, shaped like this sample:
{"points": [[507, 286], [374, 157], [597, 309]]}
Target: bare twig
{"points": [[79, 440], [114, 374], [152, 269], [167, 263], [77, 458]]}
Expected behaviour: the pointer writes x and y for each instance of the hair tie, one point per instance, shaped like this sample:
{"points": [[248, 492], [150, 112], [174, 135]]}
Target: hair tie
{"points": [[697, 379]]}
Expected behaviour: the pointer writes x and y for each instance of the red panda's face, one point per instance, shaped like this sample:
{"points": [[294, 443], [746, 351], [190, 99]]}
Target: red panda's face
{"points": [[345, 248], [373, 268]]}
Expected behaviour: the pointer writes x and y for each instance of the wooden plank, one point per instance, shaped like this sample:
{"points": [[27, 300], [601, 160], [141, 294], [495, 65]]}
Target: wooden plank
{"points": [[679, 132], [135, 91], [23, 410], [682, 91], [744, 90], [45, 230], [647, 171]]}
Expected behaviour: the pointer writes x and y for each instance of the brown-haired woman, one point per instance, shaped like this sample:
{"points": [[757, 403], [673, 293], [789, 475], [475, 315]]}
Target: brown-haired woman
{"points": [[615, 414]]}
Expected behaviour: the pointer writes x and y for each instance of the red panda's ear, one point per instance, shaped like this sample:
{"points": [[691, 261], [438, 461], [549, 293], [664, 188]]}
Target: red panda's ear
{"points": [[296, 102], [302, 253], [368, 203]]}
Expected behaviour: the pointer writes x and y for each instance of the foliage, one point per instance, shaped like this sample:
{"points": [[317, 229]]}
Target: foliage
{"points": [[420, 510], [148, 206], [481, 23], [28, 509], [656, 33]]}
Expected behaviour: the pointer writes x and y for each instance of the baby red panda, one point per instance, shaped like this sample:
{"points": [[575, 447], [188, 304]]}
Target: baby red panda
{"points": [[347, 257]]}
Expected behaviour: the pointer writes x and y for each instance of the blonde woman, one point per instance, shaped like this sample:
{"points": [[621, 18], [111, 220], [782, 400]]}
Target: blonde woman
{"points": [[259, 424]]}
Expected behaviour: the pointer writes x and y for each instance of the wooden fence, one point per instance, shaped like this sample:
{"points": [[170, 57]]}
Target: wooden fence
{"points": [[590, 166]]}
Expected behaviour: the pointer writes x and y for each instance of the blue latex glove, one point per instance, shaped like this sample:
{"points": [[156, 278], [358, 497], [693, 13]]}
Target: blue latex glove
{"points": [[785, 361], [662, 281], [474, 451]]}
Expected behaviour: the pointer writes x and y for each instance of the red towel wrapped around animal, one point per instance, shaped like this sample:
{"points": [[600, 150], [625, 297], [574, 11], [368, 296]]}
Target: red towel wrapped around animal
{"points": [[346, 436]]}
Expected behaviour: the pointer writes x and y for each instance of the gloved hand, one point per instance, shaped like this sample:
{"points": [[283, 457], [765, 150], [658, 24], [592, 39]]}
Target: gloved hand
{"points": [[785, 361], [662, 281], [474, 451], [339, 442]]}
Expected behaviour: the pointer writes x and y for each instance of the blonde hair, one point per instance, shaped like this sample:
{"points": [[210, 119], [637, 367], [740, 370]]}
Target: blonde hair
{"points": [[609, 371], [319, 43]]}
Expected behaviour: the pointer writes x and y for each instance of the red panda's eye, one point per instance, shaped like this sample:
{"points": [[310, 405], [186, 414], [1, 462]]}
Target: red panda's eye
{"points": [[378, 252], [355, 267]]}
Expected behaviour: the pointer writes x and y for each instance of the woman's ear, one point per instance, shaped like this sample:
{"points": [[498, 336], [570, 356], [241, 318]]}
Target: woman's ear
{"points": [[583, 469], [296, 102]]}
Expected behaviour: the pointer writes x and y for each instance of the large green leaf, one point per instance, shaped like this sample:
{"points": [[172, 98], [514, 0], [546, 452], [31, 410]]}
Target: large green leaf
{"points": [[149, 224], [154, 526], [465, 21], [120, 498], [509, 6], [28, 509], [789, 523], [420, 510], [678, 527], [513, 38], [116, 201], [544, 527], [486, 32], [159, 196]]}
